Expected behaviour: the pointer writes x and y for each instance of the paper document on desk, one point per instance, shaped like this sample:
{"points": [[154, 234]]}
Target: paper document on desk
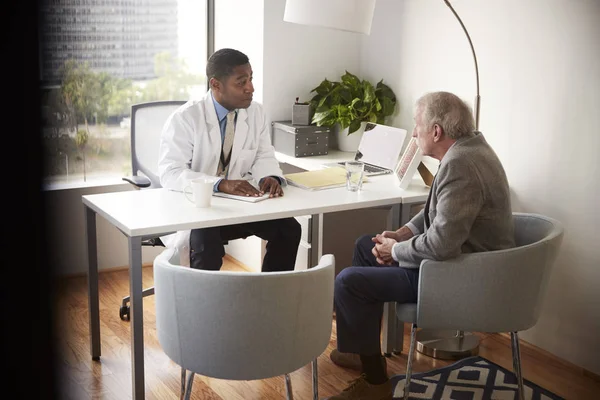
{"points": [[319, 179]]}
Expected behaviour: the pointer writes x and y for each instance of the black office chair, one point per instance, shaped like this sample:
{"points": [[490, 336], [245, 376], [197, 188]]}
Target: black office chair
{"points": [[147, 120]]}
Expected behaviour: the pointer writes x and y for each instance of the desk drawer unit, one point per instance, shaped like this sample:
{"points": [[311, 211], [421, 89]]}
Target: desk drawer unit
{"points": [[300, 140]]}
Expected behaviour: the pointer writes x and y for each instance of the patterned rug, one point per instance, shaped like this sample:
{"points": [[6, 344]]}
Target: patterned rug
{"points": [[473, 378]]}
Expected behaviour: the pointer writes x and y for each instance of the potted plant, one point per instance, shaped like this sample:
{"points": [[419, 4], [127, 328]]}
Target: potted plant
{"points": [[347, 106]]}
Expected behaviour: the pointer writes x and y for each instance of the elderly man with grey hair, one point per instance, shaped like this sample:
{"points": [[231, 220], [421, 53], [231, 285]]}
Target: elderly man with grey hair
{"points": [[468, 210]]}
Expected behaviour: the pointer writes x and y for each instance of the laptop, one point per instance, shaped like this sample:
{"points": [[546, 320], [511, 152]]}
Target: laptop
{"points": [[379, 149]]}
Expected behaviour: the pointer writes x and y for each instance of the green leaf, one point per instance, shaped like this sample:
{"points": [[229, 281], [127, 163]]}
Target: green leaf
{"points": [[350, 79], [353, 127], [384, 91], [387, 107], [369, 93], [320, 117]]}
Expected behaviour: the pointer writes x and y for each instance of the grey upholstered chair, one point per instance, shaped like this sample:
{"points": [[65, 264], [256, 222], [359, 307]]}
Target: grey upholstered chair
{"points": [[242, 326], [496, 291]]}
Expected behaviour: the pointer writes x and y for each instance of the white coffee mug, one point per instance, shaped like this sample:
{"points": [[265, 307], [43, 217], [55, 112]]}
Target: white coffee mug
{"points": [[201, 190]]}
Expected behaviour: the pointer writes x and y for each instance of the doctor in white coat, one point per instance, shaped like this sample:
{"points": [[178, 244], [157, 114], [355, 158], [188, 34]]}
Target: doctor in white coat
{"points": [[194, 144]]}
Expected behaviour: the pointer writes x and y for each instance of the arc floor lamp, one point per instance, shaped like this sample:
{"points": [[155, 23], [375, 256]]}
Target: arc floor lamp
{"points": [[357, 16]]}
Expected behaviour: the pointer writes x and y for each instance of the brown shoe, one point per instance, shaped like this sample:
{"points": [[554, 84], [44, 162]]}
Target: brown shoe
{"points": [[360, 389], [350, 360]]}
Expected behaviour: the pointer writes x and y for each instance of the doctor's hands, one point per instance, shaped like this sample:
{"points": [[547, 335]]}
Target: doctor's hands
{"points": [[238, 187], [242, 187], [271, 186]]}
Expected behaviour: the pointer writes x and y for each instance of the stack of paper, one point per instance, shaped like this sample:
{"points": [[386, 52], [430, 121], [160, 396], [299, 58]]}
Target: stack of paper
{"points": [[319, 179]]}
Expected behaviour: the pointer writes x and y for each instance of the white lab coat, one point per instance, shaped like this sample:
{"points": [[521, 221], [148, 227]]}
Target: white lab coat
{"points": [[190, 147]]}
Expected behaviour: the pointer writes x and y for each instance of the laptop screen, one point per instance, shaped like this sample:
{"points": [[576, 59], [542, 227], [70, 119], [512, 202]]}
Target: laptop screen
{"points": [[381, 145]]}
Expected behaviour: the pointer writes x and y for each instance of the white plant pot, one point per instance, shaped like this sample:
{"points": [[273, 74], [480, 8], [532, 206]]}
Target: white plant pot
{"points": [[350, 142]]}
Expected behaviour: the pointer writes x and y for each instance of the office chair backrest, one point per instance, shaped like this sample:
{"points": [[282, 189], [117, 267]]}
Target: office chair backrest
{"points": [[147, 120], [494, 291], [242, 326]]}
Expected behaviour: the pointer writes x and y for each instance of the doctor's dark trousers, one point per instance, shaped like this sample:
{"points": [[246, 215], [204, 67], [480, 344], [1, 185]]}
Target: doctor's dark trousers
{"points": [[359, 295], [282, 236]]}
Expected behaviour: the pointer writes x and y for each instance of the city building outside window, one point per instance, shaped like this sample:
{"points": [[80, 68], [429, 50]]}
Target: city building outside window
{"points": [[97, 59]]}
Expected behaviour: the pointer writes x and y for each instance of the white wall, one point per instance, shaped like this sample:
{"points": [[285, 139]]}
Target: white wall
{"points": [[239, 25], [539, 64]]}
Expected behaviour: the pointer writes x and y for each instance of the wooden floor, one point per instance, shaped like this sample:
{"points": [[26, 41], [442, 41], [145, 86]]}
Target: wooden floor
{"points": [[80, 378]]}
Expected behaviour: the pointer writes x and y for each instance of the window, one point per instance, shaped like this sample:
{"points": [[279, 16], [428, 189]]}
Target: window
{"points": [[139, 51]]}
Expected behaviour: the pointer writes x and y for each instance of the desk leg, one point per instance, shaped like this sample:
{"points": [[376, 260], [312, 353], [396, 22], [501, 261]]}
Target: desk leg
{"points": [[316, 240], [93, 299], [137, 317], [392, 336], [404, 214]]}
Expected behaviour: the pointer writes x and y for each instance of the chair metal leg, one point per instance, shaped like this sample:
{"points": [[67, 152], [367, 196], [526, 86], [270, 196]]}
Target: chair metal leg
{"points": [[182, 393], [288, 387], [188, 385], [516, 353], [124, 311], [411, 353], [315, 380]]}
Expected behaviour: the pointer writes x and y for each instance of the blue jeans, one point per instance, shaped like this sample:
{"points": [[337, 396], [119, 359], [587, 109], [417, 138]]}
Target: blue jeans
{"points": [[359, 295]]}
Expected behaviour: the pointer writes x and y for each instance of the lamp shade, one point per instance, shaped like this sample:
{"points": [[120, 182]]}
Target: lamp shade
{"points": [[346, 15]]}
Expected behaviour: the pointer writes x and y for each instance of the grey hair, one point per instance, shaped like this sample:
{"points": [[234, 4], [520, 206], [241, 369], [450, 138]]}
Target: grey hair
{"points": [[451, 113]]}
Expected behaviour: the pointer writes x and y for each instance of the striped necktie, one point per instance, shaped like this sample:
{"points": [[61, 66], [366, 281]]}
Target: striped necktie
{"points": [[227, 143]]}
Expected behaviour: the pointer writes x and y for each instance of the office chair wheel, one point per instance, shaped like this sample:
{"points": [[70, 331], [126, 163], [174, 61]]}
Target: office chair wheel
{"points": [[124, 313]]}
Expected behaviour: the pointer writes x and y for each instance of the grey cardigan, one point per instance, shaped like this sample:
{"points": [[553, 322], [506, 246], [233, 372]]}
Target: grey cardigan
{"points": [[468, 208]]}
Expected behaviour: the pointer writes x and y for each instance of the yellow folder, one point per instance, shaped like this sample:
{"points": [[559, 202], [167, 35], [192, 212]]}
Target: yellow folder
{"points": [[318, 179]]}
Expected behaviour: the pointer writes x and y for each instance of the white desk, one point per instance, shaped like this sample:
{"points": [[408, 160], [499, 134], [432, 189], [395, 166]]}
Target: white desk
{"points": [[140, 214], [317, 162]]}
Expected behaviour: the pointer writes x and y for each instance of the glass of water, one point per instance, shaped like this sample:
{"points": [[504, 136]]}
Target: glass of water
{"points": [[354, 175]]}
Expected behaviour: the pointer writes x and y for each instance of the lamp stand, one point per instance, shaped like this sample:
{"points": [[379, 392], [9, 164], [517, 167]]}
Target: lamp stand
{"points": [[447, 345], [450, 345]]}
